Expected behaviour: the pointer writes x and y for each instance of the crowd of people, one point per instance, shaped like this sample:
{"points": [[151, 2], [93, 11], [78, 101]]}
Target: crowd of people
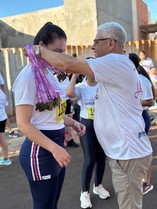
{"points": [[107, 107]]}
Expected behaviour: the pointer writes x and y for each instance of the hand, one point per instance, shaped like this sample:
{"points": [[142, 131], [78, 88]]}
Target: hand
{"points": [[79, 128], [61, 156], [33, 49]]}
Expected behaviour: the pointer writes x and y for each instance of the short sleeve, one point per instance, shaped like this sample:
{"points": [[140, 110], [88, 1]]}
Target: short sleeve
{"points": [[147, 90], [24, 88], [78, 87], [108, 68]]}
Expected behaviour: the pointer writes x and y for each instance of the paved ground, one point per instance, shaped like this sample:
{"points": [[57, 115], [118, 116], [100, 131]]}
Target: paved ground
{"points": [[14, 190]]}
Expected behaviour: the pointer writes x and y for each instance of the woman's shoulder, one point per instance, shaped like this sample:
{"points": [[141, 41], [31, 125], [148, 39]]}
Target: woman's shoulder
{"points": [[27, 71], [25, 78]]}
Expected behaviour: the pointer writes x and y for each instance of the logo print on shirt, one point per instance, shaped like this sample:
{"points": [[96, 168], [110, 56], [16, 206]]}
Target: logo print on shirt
{"points": [[139, 90]]}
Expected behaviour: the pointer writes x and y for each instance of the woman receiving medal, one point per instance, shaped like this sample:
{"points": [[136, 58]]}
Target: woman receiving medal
{"points": [[38, 105]]}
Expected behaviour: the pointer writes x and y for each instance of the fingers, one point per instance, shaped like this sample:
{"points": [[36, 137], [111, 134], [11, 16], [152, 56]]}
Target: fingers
{"points": [[65, 162], [81, 133], [63, 158], [80, 129]]}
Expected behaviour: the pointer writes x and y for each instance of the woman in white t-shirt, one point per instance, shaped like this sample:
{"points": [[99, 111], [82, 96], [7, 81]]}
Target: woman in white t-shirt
{"points": [[145, 62], [148, 97], [63, 83], [3, 118], [94, 156], [40, 116]]}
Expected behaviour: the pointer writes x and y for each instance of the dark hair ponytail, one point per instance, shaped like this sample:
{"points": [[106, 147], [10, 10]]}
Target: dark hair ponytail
{"points": [[48, 33]]}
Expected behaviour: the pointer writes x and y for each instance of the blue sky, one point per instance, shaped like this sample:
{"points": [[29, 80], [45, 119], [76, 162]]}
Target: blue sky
{"points": [[152, 7], [13, 7]]}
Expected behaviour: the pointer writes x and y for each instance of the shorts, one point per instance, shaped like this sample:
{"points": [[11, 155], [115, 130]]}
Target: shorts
{"points": [[2, 125], [37, 162]]}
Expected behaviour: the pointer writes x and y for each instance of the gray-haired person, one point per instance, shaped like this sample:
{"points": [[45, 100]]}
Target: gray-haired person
{"points": [[118, 112]]}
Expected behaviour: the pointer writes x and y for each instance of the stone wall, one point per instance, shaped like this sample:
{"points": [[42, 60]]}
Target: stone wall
{"points": [[79, 19], [9, 37]]}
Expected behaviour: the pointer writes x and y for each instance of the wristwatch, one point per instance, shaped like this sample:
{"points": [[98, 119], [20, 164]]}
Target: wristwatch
{"points": [[37, 51]]}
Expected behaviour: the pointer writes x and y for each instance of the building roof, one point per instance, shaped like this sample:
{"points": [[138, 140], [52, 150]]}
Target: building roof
{"points": [[150, 28]]}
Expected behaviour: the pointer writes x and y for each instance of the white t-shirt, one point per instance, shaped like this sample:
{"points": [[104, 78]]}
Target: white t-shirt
{"points": [[24, 89], [63, 85], [86, 95], [147, 64], [3, 103], [118, 112], [147, 89], [154, 80]]}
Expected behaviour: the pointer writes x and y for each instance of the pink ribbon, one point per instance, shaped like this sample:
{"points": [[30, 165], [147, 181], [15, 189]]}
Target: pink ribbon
{"points": [[45, 91]]}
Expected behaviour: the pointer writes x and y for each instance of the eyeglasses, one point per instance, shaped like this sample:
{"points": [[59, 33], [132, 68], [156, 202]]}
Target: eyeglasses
{"points": [[95, 41]]}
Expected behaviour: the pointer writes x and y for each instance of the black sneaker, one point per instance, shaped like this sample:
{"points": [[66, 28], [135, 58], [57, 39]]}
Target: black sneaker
{"points": [[147, 187], [151, 117], [13, 134], [71, 143]]}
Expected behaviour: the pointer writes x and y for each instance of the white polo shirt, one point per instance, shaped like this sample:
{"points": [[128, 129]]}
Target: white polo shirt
{"points": [[118, 112]]}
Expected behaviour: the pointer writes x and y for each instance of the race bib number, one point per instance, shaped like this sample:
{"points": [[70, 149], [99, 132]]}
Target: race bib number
{"points": [[60, 111], [90, 111]]}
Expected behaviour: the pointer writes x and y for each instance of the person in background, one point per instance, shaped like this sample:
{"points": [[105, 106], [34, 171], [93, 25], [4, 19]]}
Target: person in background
{"points": [[94, 156], [145, 61], [147, 101], [3, 118], [64, 82], [12, 133], [76, 106], [155, 36], [118, 121], [153, 77], [40, 114]]}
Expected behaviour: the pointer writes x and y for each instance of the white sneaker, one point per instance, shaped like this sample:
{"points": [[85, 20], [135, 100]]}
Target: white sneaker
{"points": [[85, 200], [99, 190]]}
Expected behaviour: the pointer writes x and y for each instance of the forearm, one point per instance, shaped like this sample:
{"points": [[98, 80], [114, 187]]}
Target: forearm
{"points": [[147, 103], [65, 62], [70, 91], [36, 136], [69, 121]]}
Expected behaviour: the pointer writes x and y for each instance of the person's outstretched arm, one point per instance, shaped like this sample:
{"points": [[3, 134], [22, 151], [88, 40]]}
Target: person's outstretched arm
{"points": [[65, 62]]}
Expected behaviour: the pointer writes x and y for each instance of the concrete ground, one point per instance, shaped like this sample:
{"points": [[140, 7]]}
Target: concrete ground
{"points": [[15, 194]]}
